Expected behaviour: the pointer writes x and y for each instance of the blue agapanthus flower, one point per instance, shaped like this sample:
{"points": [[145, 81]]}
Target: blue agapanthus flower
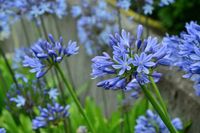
{"points": [[4, 26], [2, 130], [149, 5], [19, 100], [35, 8], [30, 93], [124, 4], [152, 123], [132, 62], [60, 8], [166, 2], [184, 51], [53, 93], [76, 11], [7, 18], [94, 22], [46, 54], [51, 115]]}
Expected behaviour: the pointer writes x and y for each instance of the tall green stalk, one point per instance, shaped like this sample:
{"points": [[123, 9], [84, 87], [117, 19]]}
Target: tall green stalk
{"points": [[159, 109], [160, 99], [9, 67], [66, 62], [75, 98], [64, 102], [126, 114], [156, 90]]}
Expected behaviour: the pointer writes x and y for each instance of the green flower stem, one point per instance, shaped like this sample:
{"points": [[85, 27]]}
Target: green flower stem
{"points": [[74, 96], [66, 62], [156, 90], [46, 36], [64, 102], [126, 113], [159, 109], [9, 67]]}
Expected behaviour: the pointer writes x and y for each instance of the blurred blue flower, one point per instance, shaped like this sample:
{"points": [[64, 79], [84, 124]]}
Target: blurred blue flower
{"points": [[152, 123], [51, 115], [2, 130], [46, 54], [149, 5], [166, 2], [76, 11], [4, 26], [53, 93], [148, 9], [124, 4], [130, 64], [29, 94], [72, 48], [60, 8], [19, 100], [184, 51], [35, 8], [94, 21]]}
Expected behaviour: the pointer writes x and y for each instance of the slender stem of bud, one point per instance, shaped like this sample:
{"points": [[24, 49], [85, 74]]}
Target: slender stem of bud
{"points": [[75, 98], [159, 109]]}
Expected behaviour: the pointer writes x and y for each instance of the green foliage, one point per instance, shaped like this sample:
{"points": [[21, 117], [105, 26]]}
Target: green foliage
{"points": [[5, 82], [100, 122], [7, 121], [175, 16], [112, 124]]}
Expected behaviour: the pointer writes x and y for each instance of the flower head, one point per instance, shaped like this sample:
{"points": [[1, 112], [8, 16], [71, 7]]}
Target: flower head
{"points": [[36, 8], [94, 21], [30, 93], [53, 114], [46, 54], [152, 123], [132, 62], [184, 51]]}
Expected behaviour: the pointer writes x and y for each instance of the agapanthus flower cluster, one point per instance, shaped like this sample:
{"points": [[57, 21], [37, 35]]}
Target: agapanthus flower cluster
{"points": [[46, 54], [132, 63], [4, 26], [7, 18], [35, 8], [152, 123], [94, 21], [51, 115], [184, 51], [30, 93]]}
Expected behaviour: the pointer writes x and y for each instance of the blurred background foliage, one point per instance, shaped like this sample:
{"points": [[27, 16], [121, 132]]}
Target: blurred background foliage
{"points": [[174, 16]]}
